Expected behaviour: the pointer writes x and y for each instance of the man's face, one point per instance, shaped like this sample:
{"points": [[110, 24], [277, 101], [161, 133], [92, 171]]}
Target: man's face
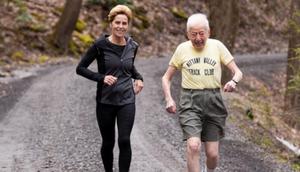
{"points": [[198, 36]]}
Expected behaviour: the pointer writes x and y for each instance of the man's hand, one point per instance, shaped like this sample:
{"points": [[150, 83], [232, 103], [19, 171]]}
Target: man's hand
{"points": [[171, 106], [138, 85], [110, 80], [230, 86]]}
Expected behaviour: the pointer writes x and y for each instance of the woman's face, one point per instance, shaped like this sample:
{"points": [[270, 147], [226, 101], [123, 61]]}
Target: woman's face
{"points": [[119, 26]]}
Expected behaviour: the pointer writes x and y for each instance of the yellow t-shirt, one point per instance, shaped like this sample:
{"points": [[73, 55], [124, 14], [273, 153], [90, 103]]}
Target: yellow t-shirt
{"points": [[201, 69]]}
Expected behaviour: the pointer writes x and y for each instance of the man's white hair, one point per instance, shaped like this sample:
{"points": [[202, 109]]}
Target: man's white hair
{"points": [[197, 19]]}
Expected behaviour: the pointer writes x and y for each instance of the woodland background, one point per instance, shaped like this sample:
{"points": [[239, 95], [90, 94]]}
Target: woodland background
{"points": [[47, 32]]}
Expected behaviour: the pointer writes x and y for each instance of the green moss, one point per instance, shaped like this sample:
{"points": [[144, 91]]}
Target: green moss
{"points": [[79, 43], [38, 16], [179, 13], [59, 9], [73, 48], [294, 82], [37, 27], [144, 24], [104, 24], [294, 24], [24, 16], [266, 142], [260, 92], [2, 63], [31, 61], [86, 39], [296, 166], [80, 25], [141, 20], [232, 119], [43, 59], [260, 138], [18, 55], [18, 2], [249, 113]]}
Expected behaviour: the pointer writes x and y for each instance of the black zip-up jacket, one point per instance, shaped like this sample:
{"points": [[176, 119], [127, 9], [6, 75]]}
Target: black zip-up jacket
{"points": [[110, 62]]}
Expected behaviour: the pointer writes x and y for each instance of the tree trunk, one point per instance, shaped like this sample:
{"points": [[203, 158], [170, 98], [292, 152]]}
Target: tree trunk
{"points": [[292, 96], [224, 21], [66, 24]]}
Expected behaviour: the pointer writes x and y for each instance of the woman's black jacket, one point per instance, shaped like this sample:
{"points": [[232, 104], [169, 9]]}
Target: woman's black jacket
{"points": [[110, 62]]}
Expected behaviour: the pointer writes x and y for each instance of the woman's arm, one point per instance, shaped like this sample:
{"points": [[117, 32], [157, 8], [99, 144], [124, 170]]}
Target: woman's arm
{"points": [[86, 60], [135, 74], [138, 81]]}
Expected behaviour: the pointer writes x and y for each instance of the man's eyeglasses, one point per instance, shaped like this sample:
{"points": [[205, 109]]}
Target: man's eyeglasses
{"points": [[194, 34]]}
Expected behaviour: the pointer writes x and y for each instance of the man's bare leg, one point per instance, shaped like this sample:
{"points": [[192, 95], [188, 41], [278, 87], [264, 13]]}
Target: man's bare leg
{"points": [[193, 154], [212, 155]]}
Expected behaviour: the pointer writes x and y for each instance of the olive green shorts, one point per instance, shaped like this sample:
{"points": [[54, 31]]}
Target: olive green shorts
{"points": [[202, 114]]}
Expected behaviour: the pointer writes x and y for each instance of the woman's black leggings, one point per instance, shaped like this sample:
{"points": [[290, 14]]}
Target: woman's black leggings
{"points": [[106, 117]]}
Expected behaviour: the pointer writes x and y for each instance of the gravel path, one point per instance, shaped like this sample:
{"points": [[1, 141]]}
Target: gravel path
{"points": [[52, 127]]}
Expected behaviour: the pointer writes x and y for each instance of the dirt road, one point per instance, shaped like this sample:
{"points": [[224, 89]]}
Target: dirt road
{"points": [[52, 126]]}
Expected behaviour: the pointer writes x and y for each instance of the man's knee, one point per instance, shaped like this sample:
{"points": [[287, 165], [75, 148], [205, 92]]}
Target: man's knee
{"points": [[193, 145], [212, 155], [212, 150]]}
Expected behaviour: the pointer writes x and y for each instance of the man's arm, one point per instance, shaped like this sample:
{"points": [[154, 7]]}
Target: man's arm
{"points": [[166, 84], [237, 76]]}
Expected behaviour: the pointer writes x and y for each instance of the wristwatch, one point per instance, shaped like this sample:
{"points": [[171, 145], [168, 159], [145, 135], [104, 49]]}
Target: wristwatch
{"points": [[235, 81]]}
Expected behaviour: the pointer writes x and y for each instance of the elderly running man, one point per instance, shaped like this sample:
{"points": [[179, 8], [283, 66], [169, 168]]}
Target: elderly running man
{"points": [[202, 113]]}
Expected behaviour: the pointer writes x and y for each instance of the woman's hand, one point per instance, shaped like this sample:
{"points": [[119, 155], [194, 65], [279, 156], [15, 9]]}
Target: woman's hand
{"points": [[110, 80], [138, 85]]}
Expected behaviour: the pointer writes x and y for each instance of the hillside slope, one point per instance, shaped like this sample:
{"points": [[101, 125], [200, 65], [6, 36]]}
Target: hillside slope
{"points": [[159, 26]]}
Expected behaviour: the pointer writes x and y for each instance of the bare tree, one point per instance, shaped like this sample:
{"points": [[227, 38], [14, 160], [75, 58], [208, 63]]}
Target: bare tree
{"points": [[292, 96], [66, 24], [224, 21]]}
